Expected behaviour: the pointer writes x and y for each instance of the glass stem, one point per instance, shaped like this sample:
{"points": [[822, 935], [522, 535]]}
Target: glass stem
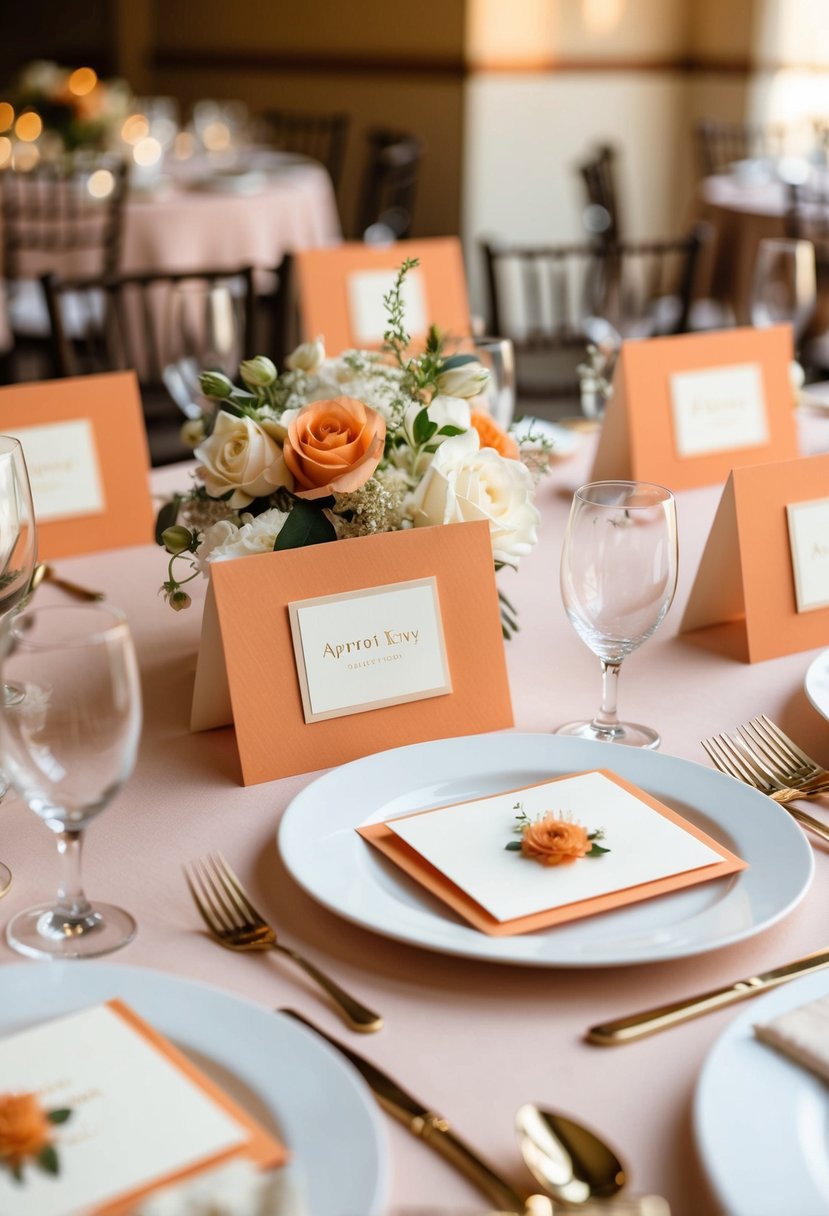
{"points": [[72, 903], [607, 718]]}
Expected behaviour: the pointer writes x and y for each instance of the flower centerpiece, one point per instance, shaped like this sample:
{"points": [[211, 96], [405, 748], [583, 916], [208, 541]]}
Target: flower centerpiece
{"points": [[363, 443], [65, 109]]}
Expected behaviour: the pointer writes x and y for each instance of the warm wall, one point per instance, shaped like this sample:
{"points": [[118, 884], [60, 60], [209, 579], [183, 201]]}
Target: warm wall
{"points": [[397, 67]]}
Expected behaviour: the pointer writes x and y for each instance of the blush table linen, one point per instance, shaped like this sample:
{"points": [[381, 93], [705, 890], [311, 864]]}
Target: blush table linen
{"points": [[474, 1040]]}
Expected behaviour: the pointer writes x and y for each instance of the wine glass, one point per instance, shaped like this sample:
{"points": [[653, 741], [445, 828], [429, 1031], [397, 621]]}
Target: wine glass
{"points": [[67, 746], [204, 332], [618, 577], [18, 555], [498, 357], [784, 284]]}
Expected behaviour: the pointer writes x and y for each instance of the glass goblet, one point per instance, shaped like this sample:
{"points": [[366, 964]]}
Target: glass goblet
{"points": [[784, 284], [67, 746], [497, 355], [618, 578], [18, 555], [204, 332]]}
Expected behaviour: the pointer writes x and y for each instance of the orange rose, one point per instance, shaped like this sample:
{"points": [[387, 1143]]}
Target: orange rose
{"points": [[555, 841], [24, 1127], [491, 435], [333, 446]]}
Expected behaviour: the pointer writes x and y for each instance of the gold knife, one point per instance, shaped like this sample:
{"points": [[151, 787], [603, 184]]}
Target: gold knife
{"points": [[435, 1130], [638, 1025]]}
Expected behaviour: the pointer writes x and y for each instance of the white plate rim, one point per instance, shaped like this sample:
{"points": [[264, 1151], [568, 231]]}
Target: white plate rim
{"points": [[727, 1125], [818, 673], [198, 1016], [304, 853]]}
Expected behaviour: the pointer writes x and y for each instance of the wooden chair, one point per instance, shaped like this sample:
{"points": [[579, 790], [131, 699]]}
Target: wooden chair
{"points": [[340, 291], [601, 215], [121, 322], [321, 136], [389, 185], [64, 216], [553, 300], [721, 144]]}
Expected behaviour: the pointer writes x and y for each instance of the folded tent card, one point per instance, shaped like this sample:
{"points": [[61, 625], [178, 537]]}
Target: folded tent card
{"points": [[613, 845], [112, 1112]]}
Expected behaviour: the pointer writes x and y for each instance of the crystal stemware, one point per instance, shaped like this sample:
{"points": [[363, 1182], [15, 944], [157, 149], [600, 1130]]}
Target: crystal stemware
{"points": [[618, 577], [498, 357], [67, 746], [204, 332], [784, 284], [18, 556]]}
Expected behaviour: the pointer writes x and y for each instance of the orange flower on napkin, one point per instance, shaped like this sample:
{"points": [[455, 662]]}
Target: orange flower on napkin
{"points": [[333, 446], [492, 435], [554, 841]]}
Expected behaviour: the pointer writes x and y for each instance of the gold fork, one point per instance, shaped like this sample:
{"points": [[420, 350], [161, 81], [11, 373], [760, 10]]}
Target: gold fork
{"points": [[788, 763], [730, 756], [233, 921]]}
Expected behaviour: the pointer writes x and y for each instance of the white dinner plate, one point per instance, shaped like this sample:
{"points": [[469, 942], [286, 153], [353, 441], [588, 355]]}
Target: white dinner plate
{"points": [[817, 683], [565, 440], [281, 1072], [337, 867], [761, 1121]]}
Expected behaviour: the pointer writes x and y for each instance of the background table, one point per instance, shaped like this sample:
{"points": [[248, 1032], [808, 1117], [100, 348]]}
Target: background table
{"points": [[475, 1040]]}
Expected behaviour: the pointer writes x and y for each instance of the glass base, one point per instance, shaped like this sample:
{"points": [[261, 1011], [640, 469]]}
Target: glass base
{"points": [[42, 932], [5, 879], [629, 733]]}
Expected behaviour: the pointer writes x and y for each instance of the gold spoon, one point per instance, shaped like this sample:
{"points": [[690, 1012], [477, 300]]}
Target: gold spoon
{"points": [[46, 573], [569, 1161]]}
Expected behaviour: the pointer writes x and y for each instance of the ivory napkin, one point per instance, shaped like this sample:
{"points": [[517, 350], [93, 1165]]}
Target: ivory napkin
{"points": [[802, 1034]]}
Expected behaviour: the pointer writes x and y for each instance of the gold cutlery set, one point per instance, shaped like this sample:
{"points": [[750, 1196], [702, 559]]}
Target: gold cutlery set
{"points": [[573, 1166]]}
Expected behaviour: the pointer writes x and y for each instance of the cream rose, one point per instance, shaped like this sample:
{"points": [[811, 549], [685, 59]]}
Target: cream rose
{"points": [[242, 457], [466, 482]]}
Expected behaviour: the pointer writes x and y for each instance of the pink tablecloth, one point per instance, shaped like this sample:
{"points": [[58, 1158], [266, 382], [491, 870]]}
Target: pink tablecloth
{"points": [[474, 1039]]}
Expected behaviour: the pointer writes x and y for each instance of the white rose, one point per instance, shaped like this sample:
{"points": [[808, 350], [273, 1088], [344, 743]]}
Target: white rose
{"points": [[465, 380], [240, 456], [443, 411], [225, 540], [308, 356], [466, 482]]}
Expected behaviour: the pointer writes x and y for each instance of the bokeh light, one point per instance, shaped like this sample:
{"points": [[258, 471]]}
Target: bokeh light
{"points": [[28, 126], [184, 145], [100, 183], [82, 81], [6, 115], [135, 129], [147, 151], [25, 157], [216, 136], [5, 151]]}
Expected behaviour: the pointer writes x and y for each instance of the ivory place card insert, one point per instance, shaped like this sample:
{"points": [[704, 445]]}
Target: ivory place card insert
{"points": [[62, 461], [368, 649], [719, 408], [461, 852], [140, 1114], [809, 541], [366, 291]]}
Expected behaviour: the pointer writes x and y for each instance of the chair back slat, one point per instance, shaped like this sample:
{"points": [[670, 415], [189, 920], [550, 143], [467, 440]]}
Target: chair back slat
{"points": [[389, 184], [321, 136]]}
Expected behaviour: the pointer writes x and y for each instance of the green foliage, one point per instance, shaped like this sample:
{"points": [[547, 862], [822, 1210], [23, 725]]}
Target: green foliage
{"points": [[306, 525]]}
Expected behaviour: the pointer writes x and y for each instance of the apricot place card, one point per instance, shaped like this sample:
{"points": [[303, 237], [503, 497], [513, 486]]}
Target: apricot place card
{"points": [[762, 587], [552, 852], [686, 410], [120, 1112], [368, 649], [86, 451], [365, 666]]}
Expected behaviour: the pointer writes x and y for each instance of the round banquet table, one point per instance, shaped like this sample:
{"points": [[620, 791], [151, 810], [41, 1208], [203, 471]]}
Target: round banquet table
{"points": [[474, 1039], [741, 214], [223, 222]]}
